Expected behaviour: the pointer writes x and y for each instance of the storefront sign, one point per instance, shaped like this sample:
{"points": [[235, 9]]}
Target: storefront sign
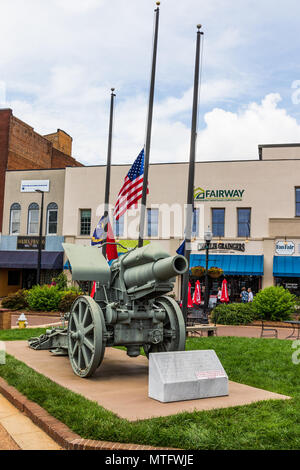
{"points": [[285, 248], [291, 286], [224, 247], [30, 186], [30, 243], [201, 194]]}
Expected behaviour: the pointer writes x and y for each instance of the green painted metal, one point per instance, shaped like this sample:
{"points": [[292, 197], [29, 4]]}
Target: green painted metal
{"points": [[88, 263], [130, 307]]}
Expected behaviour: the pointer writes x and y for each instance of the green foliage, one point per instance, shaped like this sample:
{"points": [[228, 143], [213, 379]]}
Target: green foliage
{"points": [[44, 298], [61, 282], [234, 314], [16, 301], [67, 301], [274, 303]]}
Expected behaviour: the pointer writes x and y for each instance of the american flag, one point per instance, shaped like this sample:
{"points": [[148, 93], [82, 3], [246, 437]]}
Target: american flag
{"points": [[132, 189]]}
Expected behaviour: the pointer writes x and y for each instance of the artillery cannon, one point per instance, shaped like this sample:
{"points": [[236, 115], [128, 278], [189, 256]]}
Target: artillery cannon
{"points": [[129, 308]]}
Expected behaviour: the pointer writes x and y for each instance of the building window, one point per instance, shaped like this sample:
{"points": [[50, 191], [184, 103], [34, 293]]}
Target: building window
{"points": [[33, 219], [195, 229], [244, 223], [52, 211], [85, 222], [13, 278], [153, 222], [119, 227], [218, 222], [297, 202], [15, 218]]}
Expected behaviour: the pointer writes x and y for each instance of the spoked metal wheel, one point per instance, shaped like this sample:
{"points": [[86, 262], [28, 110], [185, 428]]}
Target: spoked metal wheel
{"points": [[86, 341], [174, 328]]}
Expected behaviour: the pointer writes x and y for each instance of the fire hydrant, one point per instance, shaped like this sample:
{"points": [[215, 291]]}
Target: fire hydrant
{"points": [[22, 321]]}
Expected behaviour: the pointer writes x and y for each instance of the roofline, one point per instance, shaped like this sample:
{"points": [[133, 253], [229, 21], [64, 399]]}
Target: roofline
{"points": [[163, 164], [277, 145]]}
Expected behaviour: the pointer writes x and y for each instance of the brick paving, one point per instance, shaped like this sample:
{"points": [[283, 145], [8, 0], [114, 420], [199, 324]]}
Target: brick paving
{"points": [[251, 331], [35, 320]]}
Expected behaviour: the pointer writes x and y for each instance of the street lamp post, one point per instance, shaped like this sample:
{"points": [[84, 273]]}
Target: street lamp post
{"points": [[39, 262], [208, 238]]}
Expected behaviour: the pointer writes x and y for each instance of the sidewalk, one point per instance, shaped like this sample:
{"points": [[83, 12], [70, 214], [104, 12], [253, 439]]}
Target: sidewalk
{"points": [[17, 432], [250, 331]]}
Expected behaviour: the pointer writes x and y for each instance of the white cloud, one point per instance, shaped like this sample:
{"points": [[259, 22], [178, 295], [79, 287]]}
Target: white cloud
{"points": [[63, 56], [79, 5], [231, 136]]}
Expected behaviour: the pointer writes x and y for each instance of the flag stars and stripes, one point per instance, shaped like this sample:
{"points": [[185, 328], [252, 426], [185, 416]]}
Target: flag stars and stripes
{"points": [[132, 189]]}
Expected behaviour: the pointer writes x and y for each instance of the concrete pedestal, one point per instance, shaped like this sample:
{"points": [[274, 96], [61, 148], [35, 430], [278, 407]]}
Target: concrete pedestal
{"points": [[188, 375]]}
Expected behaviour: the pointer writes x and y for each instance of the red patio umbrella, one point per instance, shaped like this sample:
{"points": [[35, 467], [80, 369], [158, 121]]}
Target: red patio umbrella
{"points": [[190, 301], [197, 294], [224, 296]]}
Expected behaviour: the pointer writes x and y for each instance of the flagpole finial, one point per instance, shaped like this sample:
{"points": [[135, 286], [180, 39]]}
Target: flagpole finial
{"points": [[199, 26], [158, 3]]}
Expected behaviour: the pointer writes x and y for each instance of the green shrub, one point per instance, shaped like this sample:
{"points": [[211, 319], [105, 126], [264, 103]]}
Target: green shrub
{"points": [[44, 298], [233, 314], [16, 301], [61, 282], [274, 303], [67, 301]]}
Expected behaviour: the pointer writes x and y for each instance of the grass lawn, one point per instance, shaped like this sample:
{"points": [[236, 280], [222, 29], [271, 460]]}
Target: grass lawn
{"points": [[23, 334], [263, 363]]}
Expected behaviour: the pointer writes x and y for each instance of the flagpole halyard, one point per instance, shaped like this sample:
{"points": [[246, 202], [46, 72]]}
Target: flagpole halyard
{"points": [[149, 131], [191, 179], [108, 170]]}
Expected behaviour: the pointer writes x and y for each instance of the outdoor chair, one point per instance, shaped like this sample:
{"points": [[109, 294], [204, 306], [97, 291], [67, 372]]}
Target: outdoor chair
{"points": [[268, 332]]}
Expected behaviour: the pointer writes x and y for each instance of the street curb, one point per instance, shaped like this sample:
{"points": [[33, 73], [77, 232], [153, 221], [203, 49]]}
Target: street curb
{"points": [[58, 431]]}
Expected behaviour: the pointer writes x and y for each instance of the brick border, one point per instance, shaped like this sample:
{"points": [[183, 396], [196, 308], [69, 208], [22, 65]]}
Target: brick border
{"points": [[58, 431]]}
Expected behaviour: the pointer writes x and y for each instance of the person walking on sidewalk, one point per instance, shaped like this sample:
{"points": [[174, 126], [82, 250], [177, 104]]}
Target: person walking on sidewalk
{"points": [[244, 295], [250, 295]]}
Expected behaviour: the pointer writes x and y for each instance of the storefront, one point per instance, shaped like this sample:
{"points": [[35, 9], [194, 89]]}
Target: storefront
{"points": [[18, 269], [286, 271], [239, 271]]}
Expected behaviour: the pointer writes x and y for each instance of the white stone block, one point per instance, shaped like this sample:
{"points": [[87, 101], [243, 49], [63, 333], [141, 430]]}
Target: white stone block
{"points": [[186, 375]]}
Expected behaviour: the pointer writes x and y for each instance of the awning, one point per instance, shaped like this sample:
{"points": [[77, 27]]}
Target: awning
{"points": [[28, 259], [232, 265], [286, 266]]}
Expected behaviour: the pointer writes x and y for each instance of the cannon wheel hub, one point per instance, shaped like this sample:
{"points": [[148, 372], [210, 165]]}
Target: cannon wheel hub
{"points": [[86, 342], [174, 328]]}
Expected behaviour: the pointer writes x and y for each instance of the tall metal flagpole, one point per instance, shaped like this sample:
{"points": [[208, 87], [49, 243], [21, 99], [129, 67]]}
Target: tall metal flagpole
{"points": [[149, 130], [108, 168], [190, 194]]}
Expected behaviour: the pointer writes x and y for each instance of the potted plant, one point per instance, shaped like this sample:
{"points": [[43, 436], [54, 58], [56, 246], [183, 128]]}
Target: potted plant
{"points": [[215, 273], [198, 271]]}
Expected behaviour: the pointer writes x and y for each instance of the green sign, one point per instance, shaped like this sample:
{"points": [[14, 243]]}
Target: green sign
{"points": [[129, 244], [201, 194]]}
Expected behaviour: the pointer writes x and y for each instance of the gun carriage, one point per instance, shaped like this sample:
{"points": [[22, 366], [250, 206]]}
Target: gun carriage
{"points": [[130, 307]]}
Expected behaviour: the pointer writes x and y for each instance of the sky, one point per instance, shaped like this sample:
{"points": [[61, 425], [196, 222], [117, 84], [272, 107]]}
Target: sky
{"points": [[60, 58]]}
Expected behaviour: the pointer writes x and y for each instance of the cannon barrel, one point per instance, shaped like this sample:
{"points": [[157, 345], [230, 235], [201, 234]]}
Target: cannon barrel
{"points": [[161, 270]]}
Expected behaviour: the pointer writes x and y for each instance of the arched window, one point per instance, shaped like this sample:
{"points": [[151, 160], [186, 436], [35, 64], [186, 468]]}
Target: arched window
{"points": [[15, 218], [33, 219], [52, 211]]}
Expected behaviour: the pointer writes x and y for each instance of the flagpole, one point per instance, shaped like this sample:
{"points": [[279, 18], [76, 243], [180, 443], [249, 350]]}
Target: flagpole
{"points": [[190, 193], [108, 171], [149, 131]]}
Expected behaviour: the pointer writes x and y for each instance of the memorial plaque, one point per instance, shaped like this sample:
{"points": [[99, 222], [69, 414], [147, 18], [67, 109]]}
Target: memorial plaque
{"points": [[186, 375]]}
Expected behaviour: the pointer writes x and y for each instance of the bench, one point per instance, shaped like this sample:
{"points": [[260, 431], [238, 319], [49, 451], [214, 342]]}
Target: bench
{"points": [[199, 330]]}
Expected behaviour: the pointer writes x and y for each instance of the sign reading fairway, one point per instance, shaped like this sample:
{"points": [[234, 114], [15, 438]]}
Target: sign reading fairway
{"points": [[201, 194]]}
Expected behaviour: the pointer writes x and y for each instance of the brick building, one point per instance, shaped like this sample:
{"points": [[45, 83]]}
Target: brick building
{"points": [[21, 148]]}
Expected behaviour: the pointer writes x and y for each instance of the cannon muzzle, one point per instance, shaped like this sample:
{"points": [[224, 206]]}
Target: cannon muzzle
{"points": [[161, 270]]}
